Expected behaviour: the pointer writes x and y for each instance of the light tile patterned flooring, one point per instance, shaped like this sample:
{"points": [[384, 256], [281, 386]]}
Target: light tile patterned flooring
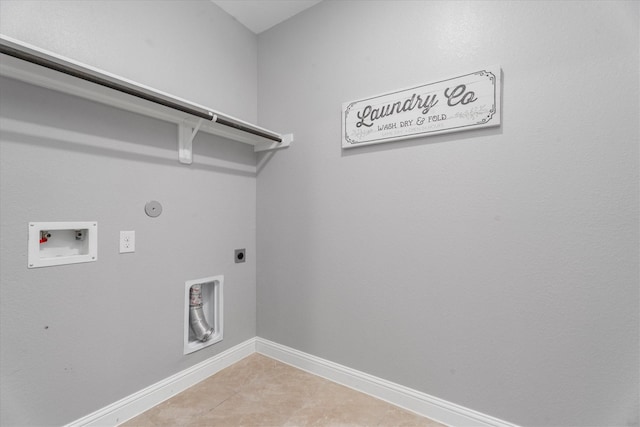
{"points": [[260, 391]]}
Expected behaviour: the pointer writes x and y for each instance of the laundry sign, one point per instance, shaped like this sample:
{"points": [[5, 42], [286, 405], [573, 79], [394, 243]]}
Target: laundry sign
{"points": [[469, 101]]}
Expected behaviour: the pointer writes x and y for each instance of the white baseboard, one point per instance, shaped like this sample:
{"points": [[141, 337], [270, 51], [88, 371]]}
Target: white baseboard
{"points": [[422, 404], [143, 400]]}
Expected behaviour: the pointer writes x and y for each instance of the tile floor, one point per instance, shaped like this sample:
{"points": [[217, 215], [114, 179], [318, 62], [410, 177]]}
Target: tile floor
{"points": [[260, 391]]}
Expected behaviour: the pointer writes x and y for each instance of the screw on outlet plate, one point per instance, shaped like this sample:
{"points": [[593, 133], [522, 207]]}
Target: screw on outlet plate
{"points": [[240, 255]]}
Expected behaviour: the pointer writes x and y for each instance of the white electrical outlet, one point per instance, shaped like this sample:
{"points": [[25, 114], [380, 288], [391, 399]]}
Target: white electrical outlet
{"points": [[127, 241]]}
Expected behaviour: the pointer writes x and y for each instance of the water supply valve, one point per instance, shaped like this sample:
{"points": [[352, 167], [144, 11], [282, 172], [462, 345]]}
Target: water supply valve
{"points": [[44, 236]]}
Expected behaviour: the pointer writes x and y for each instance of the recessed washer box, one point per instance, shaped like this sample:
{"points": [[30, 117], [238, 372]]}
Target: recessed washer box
{"points": [[59, 243]]}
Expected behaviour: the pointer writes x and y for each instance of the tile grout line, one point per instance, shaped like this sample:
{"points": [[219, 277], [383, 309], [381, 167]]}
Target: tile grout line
{"points": [[221, 402], [309, 401]]}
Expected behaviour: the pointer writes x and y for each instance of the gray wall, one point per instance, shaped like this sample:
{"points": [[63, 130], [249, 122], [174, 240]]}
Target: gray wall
{"points": [[498, 268], [188, 48], [78, 337]]}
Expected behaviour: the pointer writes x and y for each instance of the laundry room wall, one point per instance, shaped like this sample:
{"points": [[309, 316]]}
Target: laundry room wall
{"points": [[76, 338], [497, 268]]}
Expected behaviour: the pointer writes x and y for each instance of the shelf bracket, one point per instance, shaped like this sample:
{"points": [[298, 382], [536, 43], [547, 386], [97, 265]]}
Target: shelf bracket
{"points": [[272, 146], [185, 141]]}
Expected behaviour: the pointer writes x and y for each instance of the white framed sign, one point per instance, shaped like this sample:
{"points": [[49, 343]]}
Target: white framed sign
{"points": [[469, 101]]}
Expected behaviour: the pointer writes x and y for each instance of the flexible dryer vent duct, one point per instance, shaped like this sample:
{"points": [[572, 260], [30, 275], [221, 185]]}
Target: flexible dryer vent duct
{"points": [[198, 322]]}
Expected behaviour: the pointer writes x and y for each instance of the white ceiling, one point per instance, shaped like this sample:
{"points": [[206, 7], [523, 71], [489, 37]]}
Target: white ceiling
{"points": [[260, 15]]}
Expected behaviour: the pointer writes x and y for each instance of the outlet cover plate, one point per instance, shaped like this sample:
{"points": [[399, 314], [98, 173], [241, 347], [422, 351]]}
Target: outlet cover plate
{"points": [[127, 241]]}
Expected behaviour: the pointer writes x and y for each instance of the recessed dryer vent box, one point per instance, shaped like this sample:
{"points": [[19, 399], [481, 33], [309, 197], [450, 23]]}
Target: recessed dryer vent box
{"points": [[212, 305], [59, 243]]}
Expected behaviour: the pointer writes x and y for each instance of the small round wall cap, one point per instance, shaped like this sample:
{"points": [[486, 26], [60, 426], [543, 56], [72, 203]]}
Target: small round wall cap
{"points": [[153, 209]]}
